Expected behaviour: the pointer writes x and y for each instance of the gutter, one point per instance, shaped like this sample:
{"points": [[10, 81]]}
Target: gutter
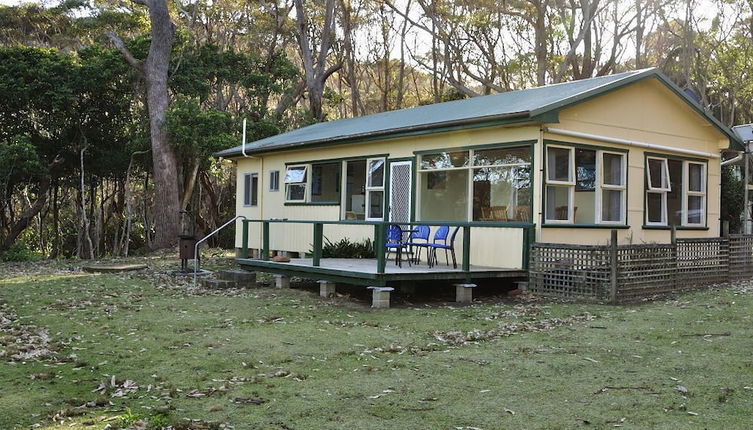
{"points": [[627, 142], [381, 133], [734, 159]]}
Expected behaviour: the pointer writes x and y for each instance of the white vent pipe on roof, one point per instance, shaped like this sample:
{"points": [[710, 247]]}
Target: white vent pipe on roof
{"points": [[243, 144]]}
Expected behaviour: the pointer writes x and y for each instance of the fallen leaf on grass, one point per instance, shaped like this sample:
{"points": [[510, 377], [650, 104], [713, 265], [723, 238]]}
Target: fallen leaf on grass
{"points": [[248, 400]]}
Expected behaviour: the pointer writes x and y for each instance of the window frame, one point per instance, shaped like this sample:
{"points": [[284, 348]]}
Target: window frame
{"points": [[601, 186], [471, 167], [369, 189], [274, 180], [685, 192], [569, 184], [305, 183], [250, 189]]}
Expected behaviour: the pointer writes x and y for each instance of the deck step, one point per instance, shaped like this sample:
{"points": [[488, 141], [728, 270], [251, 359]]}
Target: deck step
{"points": [[243, 278], [218, 284]]}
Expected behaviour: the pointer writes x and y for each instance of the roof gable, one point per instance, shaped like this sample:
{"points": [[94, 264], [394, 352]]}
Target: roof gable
{"points": [[497, 109]]}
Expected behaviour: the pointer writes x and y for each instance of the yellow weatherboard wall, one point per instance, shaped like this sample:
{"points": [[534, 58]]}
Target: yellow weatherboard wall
{"points": [[645, 111]]}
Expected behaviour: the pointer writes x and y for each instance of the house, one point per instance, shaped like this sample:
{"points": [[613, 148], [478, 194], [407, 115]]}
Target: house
{"points": [[564, 163]]}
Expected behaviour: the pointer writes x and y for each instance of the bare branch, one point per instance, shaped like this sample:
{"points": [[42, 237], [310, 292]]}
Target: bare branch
{"points": [[120, 46], [141, 2]]}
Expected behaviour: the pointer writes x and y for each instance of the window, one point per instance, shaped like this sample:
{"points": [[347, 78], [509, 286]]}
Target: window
{"points": [[354, 205], [657, 187], [479, 185], [295, 183], [585, 186], [250, 189], [560, 184], [696, 194], [612, 193], [325, 183], [375, 188], [315, 183], [675, 192], [274, 180]]}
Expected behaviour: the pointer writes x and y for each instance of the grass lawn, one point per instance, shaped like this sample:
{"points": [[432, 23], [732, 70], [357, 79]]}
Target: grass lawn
{"points": [[85, 351]]}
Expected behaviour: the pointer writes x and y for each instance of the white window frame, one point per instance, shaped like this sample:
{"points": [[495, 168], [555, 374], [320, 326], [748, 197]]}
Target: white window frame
{"points": [[665, 189], [687, 193], [370, 188], [274, 180], [471, 168], [601, 186], [307, 187], [569, 184]]}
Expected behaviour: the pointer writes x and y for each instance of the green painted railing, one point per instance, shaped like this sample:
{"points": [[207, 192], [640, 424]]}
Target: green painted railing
{"points": [[380, 228]]}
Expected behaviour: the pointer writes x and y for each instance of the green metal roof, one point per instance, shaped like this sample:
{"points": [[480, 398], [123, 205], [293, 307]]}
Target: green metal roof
{"points": [[524, 105]]}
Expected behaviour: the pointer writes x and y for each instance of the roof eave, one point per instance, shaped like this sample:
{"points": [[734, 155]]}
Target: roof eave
{"points": [[382, 134]]}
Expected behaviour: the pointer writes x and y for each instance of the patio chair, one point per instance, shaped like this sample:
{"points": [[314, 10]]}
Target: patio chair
{"points": [[419, 238], [499, 213], [447, 244], [395, 243]]}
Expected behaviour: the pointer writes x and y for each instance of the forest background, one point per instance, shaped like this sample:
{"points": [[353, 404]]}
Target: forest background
{"points": [[110, 110]]}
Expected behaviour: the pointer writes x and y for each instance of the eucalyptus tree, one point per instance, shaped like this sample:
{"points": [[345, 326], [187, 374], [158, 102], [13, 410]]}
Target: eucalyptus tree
{"points": [[154, 71]]}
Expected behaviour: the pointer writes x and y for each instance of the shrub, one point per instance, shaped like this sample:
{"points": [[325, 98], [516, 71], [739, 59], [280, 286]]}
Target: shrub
{"points": [[344, 248], [19, 251]]}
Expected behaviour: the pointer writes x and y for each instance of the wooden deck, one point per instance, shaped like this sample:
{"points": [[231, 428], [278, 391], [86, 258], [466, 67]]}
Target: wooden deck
{"points": [[364, 271]]}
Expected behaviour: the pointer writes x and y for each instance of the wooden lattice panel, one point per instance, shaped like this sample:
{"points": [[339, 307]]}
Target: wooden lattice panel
{"points": [[569, 271]]}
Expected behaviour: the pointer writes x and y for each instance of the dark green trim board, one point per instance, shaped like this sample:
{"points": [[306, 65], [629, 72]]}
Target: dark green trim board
{"points": [[600, 226], [585, 146], [335, 160], [679, 227], [673, 156], [535, 106], [478, 147], [311, 204]]}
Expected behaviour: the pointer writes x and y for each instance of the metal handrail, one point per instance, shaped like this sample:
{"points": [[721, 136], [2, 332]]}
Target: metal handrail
{"points": [[196, 246]]}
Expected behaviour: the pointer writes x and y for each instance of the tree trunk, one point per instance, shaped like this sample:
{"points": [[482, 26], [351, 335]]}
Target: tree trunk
{"points": [[155, 73], [28, 215]]}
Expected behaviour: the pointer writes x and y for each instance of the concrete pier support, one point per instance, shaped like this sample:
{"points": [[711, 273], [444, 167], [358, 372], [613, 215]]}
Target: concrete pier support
{"points": [[464, 293], [282, 281], [327, 288], [380, 298]]}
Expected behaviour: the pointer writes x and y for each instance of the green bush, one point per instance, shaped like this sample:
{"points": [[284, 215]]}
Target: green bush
{"points": [[19, 251], [344, 248]]}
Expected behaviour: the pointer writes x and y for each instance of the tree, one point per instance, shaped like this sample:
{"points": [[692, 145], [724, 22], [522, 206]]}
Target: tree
{"points": [[154, 71], [315, 63]]}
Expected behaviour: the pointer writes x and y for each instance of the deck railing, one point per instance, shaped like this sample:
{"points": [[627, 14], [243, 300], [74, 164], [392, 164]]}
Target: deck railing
{"points": [[379, 237]]}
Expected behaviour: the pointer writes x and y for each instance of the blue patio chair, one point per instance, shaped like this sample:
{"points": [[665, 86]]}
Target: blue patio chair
{"points": [[419, 238], [395, 243], [441, 242]]}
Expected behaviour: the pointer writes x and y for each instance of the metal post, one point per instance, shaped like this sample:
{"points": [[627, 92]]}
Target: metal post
{"points": [[318, 233], [244, 247], [467, 249], [746, 209], [265, 241], [379, 232]]}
